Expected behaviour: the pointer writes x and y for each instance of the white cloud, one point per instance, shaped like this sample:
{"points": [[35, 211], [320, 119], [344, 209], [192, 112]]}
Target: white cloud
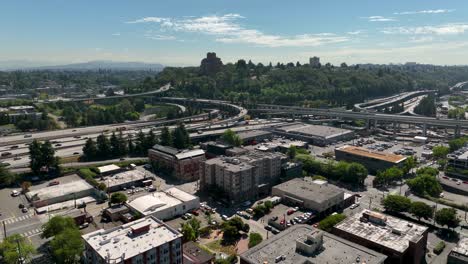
{"points": [[357, 32], [379, 19], [116, 34], [227, 29], [424, 39], [446, 29], [430, 11], [151, 35]]}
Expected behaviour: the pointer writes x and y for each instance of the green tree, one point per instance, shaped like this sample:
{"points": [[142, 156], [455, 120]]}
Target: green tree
{"points": [[181, 137], [254, 239], [356, 173], [103, 146], [90, 150], [67, 246], [114, 146], [42, 157], [6, 177], [421, 210], [447, 217], [231, 138], [16, 249], [410, 163], [191, 229], [425, 184], [57, 225], [330, 221], [396, 203], [292, 151], [35, 157], [166, 137], [118, 198], [440, 152]]}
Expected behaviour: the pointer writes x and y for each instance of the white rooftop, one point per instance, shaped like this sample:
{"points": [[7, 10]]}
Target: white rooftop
{"points": [[462, 247], [121, 240], [124, 177], [108, 168], [158, 201], [59, 190]]}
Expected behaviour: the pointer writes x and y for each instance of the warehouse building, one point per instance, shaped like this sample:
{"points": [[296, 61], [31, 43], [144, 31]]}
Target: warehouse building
{"points": [[459, 254], [315, 134], [313, 195], [305, 244], [184, 164], [254, 136], [60, 193], [403, 242], [374, 161], [147, 240], [126, 179], [166, 204]]}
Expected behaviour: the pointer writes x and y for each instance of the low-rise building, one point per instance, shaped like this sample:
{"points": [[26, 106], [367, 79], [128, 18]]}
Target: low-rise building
{"points": [[457, 163], [374, 161], [125, 179], [314, 134], [21, 109], [459, 254], [109, 169], [193, 254], [317, 195], [402, 241], [147, 240], [243, 177], [305, 244], [60, 193], [254, 136], [184, 164], [165, 205]]}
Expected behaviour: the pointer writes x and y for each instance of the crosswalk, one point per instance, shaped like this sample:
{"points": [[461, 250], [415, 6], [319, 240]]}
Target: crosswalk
{"points": [[18, 219], [32, 232]]}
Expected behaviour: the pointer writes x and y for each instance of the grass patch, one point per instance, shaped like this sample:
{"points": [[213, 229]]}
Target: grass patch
{"points": [[70, 159], [216, 246]]}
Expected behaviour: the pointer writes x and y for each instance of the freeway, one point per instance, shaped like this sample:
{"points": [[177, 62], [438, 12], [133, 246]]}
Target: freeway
{"points": [[438, 122], [389, 101]]}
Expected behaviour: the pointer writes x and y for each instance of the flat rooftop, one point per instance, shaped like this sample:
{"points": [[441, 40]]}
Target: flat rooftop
{"points": [[335, 250], [108, 168], [122, 240], [310, 190], [229, 164], [50, 192], [325, 132], [395, 234], [179, 153], [253, 133], [124, 177], [462, 247], [389, 157], [461, 154]]}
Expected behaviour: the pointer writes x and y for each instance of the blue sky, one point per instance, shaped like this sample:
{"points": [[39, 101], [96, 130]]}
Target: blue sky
{"points": [[178, 32]]}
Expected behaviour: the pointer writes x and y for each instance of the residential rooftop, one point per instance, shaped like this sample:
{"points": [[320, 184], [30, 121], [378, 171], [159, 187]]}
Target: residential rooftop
{"points": [[124, 177], [384, 230], [131, 239], [389, 157], [332, 250], [319, 191], [196, 254]]}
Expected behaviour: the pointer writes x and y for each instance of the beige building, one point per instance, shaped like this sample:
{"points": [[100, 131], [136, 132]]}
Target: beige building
{"points": [[184, 164], [243, 177]]}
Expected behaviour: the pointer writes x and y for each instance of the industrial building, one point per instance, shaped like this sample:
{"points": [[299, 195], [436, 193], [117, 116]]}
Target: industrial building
{"points": [[165, 205], [305, 244], [313, 195], [374, 161], [60, 193], [314, 134], [403, 242], [147, 240], [183, 164], [243, 177], [459, 254], [254, 136], [108, 169], [126, 179]]}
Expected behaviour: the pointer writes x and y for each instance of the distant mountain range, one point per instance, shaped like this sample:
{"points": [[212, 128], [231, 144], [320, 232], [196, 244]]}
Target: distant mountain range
{"points": [[85, 66]]}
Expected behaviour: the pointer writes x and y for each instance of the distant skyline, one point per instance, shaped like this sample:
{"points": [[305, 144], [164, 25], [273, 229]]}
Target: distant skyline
{"points": [[180, 33]]}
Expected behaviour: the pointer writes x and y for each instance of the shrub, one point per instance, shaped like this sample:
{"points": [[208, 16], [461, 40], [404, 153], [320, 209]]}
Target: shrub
{"points": [[439, 247]]}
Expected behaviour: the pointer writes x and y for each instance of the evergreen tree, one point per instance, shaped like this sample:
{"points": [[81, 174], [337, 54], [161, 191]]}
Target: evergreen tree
{"points": [[35, 157], [103, 146], [122, 145], [131, 146], [166, 137], [90, 150], [114, 145], [181, 137], [140, 143], [150, 140]]}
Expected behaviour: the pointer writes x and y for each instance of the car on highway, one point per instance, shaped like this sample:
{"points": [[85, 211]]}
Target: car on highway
{"points": [[52, 183], [58, 145], [77, 137], [15, 193], [5, 154], [14, 147], [16, 158], [76, 153], [27, 136]]}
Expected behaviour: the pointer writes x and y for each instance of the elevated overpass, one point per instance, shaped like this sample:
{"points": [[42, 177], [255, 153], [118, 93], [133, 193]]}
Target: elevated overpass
{"points": [[382, 103], [457, 125]]}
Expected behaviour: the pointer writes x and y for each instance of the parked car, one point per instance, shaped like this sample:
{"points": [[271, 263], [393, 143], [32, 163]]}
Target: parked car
{"points": [[268, 227], [24, 210], [224, 217], [52, 183], [15, 193], [290, 212]]}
